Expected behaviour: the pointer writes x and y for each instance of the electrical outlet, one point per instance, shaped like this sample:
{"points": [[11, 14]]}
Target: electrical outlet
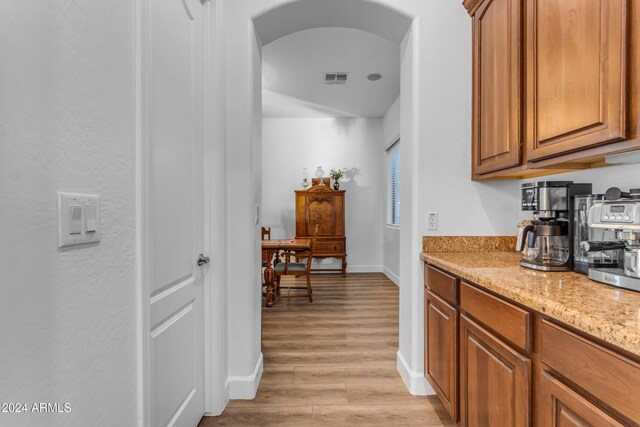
{"points": [[432, 220]]}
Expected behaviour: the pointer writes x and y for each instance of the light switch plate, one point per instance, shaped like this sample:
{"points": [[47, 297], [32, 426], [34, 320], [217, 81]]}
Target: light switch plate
{"points": [[69, 206]]}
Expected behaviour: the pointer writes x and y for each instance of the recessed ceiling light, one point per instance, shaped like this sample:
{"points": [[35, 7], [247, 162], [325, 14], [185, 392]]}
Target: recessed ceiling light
{"points": [[374, 76]]}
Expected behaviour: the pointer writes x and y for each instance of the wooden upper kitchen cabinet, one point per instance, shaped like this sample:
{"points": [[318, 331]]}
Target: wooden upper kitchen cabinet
{"points": [[556, 85], [497, 85], [576, 75], [321, 205]]}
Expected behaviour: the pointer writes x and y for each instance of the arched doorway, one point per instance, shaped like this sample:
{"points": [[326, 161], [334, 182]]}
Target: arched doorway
{"points": [[248, 24]]}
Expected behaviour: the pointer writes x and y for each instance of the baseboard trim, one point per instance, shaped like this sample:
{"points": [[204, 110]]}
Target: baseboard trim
{"points": [[245, 387], [393, 277], [350, 268], [415, 382], [364, 269]]}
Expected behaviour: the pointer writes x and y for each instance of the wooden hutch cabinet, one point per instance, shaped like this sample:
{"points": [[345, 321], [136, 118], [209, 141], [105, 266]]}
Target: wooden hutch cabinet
{"points": [[323, 206]]}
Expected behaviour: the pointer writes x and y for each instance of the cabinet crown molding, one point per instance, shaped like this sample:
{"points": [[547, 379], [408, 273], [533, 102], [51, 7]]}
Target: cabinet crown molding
{"points": [[471, 5]]}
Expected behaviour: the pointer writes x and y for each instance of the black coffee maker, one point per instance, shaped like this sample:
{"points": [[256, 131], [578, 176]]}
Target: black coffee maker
{"points": [[546, 242]]}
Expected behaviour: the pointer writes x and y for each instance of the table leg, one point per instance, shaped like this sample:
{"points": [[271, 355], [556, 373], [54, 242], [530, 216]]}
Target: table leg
{"points": [[269, 275]]}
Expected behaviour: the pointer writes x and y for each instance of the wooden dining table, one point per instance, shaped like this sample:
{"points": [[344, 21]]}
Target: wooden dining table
{"points": [[272, 249]]}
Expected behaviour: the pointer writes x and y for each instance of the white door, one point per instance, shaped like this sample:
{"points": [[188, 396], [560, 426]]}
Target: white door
{"points": [[174, 229]]}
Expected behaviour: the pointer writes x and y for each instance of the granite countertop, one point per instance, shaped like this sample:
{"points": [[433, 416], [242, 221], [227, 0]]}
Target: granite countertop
{"points": [[605, 312]]}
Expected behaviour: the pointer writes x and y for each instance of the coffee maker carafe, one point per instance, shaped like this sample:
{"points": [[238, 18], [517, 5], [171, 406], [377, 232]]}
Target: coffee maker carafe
{"points": [[546, 242]]}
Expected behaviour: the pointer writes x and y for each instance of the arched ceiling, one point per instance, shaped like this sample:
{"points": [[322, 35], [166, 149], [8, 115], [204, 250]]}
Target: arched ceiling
{"points": [[293, 67], [364, 15]]}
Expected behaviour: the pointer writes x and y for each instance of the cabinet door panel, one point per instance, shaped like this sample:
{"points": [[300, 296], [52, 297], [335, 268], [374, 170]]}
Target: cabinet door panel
{"points": [[563, 407], [441, 355], [496, 85], [606, 375], [495, 380], [576, 75]]}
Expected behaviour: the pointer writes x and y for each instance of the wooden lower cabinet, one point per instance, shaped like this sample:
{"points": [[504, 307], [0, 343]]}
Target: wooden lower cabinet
{"points": [[494, 362], [441, 351], [563, 407], [495, 380]]}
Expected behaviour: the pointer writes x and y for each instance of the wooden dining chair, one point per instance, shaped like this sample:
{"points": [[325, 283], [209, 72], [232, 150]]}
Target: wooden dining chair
{"points": [[288, 268], [266, 255], [266, 233]]}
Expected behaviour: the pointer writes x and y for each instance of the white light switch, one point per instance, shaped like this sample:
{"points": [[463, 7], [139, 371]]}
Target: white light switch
{"points": [[78, 219], [90, 219], [75, 219]]}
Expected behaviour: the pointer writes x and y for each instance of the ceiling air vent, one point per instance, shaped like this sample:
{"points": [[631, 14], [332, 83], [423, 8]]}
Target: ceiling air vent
{"points": [[335, 78]]}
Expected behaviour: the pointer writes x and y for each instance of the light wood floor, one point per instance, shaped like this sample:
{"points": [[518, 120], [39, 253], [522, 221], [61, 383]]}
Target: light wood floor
{"points": [[333, 362]]}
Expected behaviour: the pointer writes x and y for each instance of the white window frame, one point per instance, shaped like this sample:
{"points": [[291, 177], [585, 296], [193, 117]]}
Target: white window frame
{"points": [[393, 178]]}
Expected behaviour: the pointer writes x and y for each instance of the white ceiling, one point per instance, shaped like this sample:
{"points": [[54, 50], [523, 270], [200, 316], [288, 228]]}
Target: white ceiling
{"points": [[293, 67]]}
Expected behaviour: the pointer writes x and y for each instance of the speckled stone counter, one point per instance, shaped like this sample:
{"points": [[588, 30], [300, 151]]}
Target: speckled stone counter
{"points": [[605, 312], [468, 243]]}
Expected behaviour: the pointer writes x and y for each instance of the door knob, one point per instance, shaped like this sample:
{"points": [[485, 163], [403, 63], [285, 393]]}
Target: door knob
{"points": [[202, 260]]}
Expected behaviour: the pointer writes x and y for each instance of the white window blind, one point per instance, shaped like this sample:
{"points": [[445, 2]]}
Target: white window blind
{"points": [[393, 184]]}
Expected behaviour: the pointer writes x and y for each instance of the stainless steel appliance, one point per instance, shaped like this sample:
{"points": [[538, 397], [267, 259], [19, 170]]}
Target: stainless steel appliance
{"points": [[583, 260], [619, 212], [546, 241]]}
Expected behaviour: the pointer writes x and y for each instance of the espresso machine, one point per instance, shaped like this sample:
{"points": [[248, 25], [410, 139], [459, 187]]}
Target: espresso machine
{"points": [[583, 260], [620, 213], [546, 242]]}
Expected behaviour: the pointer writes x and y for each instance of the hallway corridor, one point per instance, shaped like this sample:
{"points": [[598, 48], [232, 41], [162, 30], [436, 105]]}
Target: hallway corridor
{"points": [[333, 362]]}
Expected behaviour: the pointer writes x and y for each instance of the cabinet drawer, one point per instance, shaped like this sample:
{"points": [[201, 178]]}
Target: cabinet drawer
{"points": [[440, 283], [335, 247], [608, 376], [511, 322]]}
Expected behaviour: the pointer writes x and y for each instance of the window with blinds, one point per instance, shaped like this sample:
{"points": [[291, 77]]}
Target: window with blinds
{"points": [[393, 184]]}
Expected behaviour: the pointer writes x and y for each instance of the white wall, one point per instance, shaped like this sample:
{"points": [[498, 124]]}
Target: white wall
{"points": [[289, 144], [391, 124], [438, 165], [464, 207], [67, 317], [242, 121], [622, 176], [390, 235]]}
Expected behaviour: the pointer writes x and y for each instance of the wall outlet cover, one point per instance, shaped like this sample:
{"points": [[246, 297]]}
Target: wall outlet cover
{"points": [[432, 220]]}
